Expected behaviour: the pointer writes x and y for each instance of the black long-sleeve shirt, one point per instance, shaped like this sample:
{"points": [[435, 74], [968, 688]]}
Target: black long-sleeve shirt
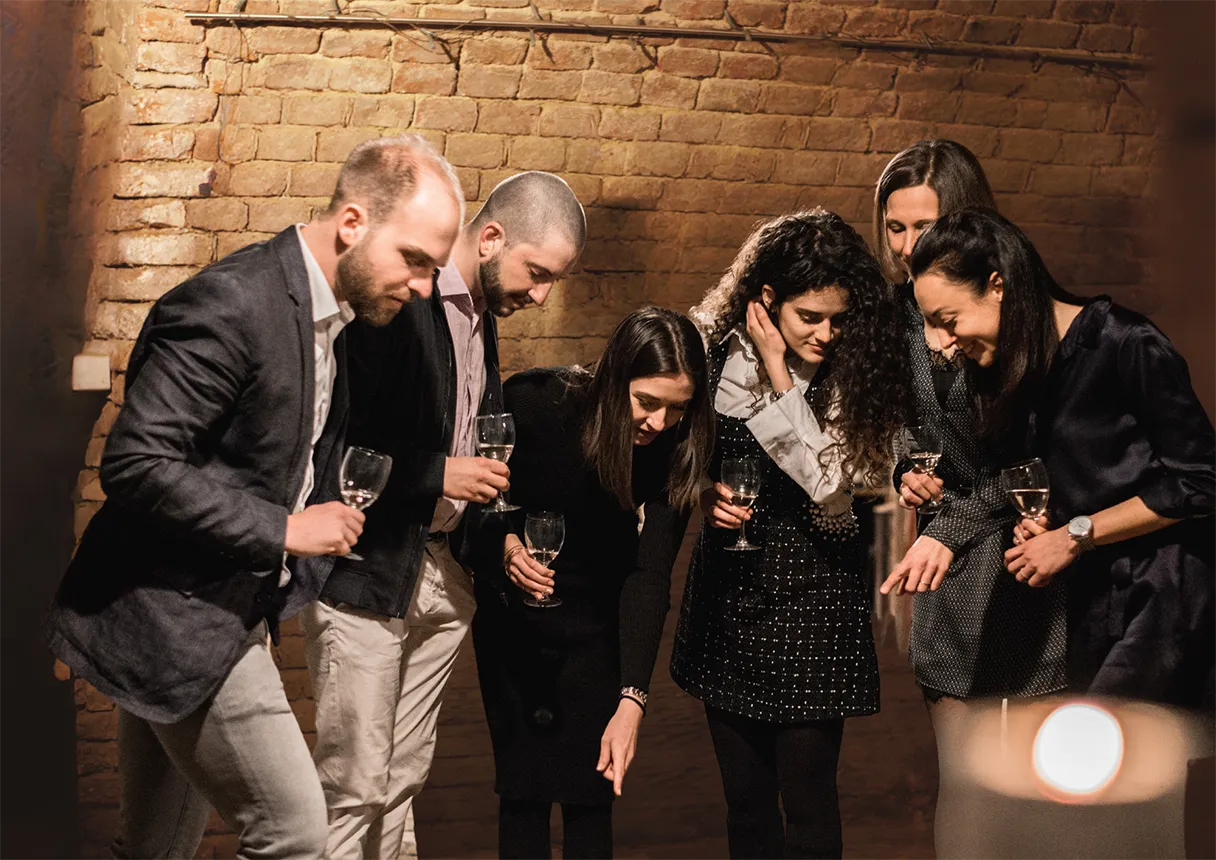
{"points": [[610, 575]]}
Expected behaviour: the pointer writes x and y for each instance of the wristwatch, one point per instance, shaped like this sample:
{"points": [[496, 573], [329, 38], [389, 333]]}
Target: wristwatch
{"points": [[1081, 530]]}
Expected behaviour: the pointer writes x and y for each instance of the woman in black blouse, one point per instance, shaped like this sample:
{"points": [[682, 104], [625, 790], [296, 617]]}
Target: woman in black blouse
{"points": [[1106, 401], [619, 452]]}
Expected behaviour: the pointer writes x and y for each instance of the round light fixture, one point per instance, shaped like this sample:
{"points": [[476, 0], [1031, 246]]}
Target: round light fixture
{"points": [[1078, 750]]}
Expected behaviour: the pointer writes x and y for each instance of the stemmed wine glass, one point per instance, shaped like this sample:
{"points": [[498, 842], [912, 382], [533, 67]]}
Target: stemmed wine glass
{"points": [[744, 478], [1028, 487], [496, 439], [544, 534], [363, 476], [922, 444]]}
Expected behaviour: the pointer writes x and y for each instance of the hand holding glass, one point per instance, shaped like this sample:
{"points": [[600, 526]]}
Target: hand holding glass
{"points": [[496, 440], [1028, 487], [923, 446], [363, 476], [744, 478], [544, 534]]}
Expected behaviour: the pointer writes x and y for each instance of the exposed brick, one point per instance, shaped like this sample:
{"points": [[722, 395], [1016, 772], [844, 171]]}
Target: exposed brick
{"points": [[864, 104], [980, 140], [609, 88], [690, 195], [946, 28], [312, 109], [1006, 176], [991, 31], [283, 40], [537, 153], [1074, 116], [555, 54], [980, 109], [475, 150], [767, 14], [1092, 149], [412, 49], [501, 117], [268, 179], [96, 757], [226, 243], [695, 10], [688, 62], [748, 66], [493, 51], [806, 168], [795, 99], [361, 75], [159, 143], [966, 7], [446, 114], [1139, 150], [622, 57], [256, 110], [1060, 181], [927, 78], [290, 72], [155, 248], [149, 107], [808, 70], [813, 18], [164, 25], [747, 198], [160, 179], [768, 132], [372, 44], [658, 159], [858, 169], [725, 95], [629, 124], [1105, 37], [220, 213], [838, 135], [596, 157], [489, 82], [892, 135], [1120, 181], [1048, 34], [569, 121], [732, 164], [668, 90], [287, 143], [690, 127], [335, 144], [875, 22], [181, 57], [277, 214], [313, 180], [1024, 8], [396, 111], [539, 84], [865, 76], [1024, 144], [929, 106], [139, 214], [430, 79], [624, 7], [1084, 11]]}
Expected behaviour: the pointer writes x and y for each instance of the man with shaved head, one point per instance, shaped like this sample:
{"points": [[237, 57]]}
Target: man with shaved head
{"points": [[383, 637]]}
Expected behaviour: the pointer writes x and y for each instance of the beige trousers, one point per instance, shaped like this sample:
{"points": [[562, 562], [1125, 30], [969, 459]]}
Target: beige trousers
{"points": [[378, 683]]}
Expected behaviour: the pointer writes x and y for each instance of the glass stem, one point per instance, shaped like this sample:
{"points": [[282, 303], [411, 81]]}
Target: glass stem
{"points": [[742, 533]]}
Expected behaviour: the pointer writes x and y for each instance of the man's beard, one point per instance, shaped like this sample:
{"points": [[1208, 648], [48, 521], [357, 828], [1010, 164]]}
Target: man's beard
{"points": [[498, 301], [356, 285]]}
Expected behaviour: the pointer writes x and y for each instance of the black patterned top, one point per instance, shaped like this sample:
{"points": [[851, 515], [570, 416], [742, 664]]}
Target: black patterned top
{"points": [[982, 633]]}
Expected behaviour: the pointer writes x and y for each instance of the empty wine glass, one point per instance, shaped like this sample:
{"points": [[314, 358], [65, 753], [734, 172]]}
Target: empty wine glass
{"points": [[1028, 487], [922, 445], [496, 440], [363, 476], [544, 534], [744, 479]]}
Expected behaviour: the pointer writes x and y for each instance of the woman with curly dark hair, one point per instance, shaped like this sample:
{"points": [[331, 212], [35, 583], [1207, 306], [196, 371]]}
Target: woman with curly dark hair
{"points": [[806, 376]]}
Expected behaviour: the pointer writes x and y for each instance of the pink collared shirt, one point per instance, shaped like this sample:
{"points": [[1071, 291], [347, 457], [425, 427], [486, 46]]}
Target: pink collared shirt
{"points": [[468, 341]]}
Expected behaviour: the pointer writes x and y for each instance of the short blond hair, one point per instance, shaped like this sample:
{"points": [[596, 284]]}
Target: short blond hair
{"points": [[379, 174]]}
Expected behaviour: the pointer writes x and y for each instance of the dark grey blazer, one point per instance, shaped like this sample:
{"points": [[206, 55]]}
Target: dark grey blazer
{"points": [[200, 471]]}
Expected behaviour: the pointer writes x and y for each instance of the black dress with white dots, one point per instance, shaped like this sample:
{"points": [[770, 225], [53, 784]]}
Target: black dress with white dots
{"points": [[981, 633], [780, 634]]}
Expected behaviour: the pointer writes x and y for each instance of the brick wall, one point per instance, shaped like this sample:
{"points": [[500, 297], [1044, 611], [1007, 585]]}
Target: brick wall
{"points": [[197, 141]]}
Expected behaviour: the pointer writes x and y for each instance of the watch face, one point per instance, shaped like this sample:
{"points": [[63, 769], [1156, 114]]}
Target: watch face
{"points": [[1080, 526]]}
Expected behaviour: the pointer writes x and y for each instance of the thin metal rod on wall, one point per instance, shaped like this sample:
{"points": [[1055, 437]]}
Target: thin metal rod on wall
{"points": [[956, 49]]}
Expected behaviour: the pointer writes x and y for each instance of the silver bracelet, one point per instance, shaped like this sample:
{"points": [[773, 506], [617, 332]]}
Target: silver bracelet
{"points": [[636, 694]]}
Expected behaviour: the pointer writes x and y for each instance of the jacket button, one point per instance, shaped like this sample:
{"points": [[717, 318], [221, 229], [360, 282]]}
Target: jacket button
{"points": [[543, 717]]}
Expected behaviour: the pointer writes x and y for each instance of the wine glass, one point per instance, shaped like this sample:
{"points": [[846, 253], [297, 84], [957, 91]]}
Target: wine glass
{"points": [[363, 476], [496, 439], [744, 478], [1028, 487], [922, 444], [544, 534]]}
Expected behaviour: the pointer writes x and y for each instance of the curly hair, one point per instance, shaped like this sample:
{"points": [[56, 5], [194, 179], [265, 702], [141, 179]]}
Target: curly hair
{"points": [[863, 385]]}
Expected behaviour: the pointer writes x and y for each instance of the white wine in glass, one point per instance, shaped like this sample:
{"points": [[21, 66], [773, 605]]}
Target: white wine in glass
{"points": [[1028, 487], [922, 446], [744, 478], [496, 440], [544, 534], [363, 476]]}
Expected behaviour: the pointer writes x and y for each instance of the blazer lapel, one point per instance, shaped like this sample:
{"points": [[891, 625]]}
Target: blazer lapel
{"points": [[291, 258]]}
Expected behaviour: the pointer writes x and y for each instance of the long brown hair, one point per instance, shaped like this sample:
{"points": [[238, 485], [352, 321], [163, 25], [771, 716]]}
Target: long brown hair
{"points": [[949, 168], [648, 342], [864, 377]]}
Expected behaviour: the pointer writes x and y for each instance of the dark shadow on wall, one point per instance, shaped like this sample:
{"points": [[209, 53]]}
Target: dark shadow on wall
{"points": [[44, 426]]}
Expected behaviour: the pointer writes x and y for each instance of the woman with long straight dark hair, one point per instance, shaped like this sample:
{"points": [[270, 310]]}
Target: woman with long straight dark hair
{"points": [[975, 632], [618, 451], [807, 382], [1105, 400]]}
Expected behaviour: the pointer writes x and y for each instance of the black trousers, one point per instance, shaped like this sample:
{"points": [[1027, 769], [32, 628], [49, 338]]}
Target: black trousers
{"points": [[796, 762], [523, 830]]}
